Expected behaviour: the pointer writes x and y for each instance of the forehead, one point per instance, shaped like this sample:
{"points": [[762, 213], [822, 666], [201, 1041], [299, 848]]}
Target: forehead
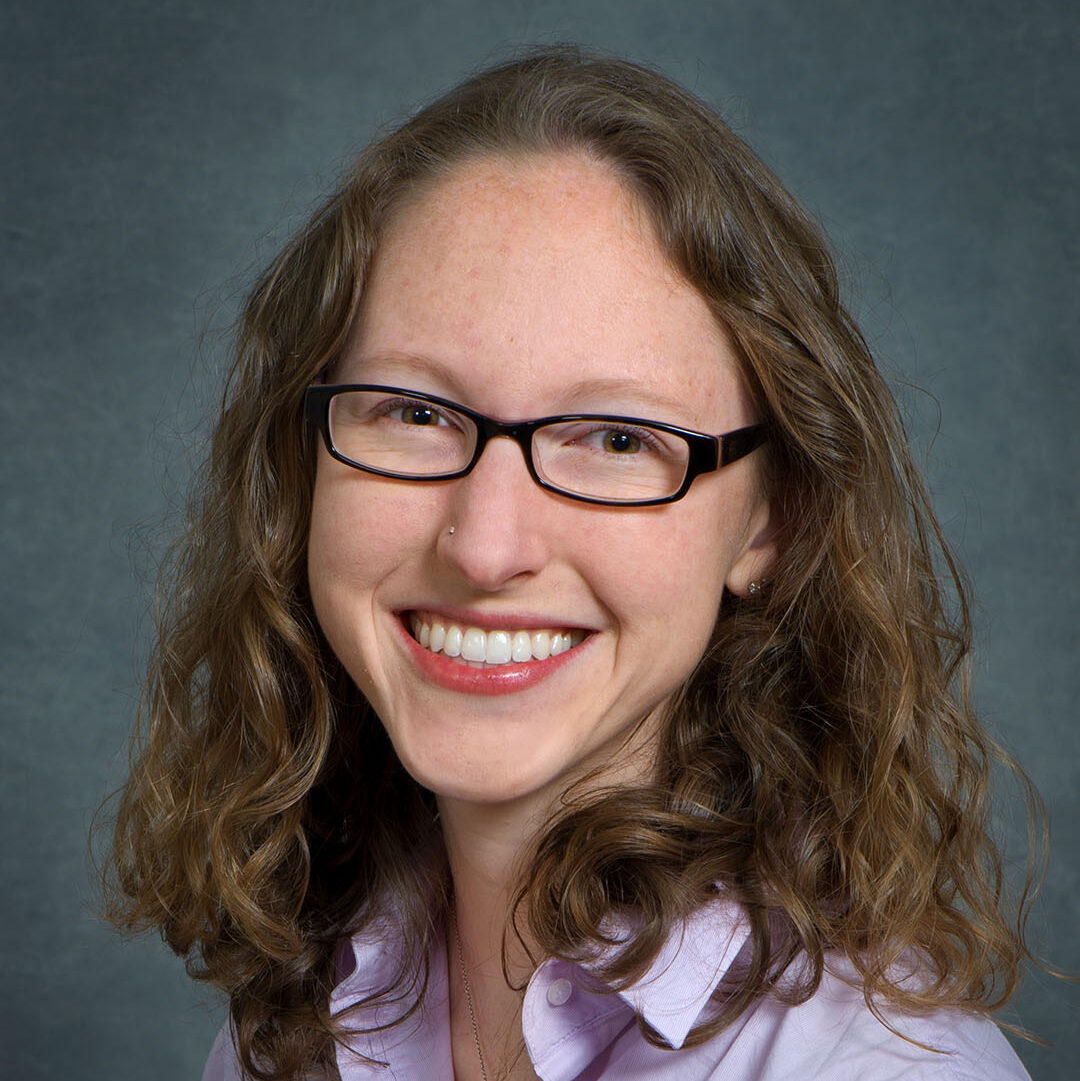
{"points": [[512, 282]]}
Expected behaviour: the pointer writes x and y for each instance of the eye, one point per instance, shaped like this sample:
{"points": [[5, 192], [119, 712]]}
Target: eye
{"points": [[620, 442], [413, 413], [419, 415]]}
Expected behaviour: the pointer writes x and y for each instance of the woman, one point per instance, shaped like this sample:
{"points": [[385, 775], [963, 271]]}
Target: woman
{"points": [[638, 749]]}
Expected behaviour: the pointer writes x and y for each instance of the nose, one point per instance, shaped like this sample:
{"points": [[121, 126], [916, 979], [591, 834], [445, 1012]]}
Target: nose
{"points": [[499, 519]]}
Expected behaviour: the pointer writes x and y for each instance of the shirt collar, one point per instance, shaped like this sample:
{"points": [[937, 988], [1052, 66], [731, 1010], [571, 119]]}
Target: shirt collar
{"points": [[670, 996], [677, 986], [418, 1046]]}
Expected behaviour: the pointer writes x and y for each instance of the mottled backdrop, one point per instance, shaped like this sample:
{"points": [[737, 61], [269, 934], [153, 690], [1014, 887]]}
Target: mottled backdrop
{"points": [[155, 152]]}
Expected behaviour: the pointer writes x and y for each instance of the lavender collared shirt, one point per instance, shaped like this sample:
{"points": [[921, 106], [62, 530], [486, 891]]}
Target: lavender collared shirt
{"points": [[575, 1034]]}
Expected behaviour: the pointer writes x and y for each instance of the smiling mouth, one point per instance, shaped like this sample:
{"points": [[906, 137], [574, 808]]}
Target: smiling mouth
{"points": [[477, 648]]}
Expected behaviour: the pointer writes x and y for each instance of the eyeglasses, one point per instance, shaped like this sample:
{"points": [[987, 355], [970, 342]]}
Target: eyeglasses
{"points": [[596, 458]]}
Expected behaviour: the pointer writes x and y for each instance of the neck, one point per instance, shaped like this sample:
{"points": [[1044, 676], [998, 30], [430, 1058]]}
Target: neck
{"points": [[485, 844]]}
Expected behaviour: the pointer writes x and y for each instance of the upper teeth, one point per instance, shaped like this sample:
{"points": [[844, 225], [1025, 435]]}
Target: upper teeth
{"points": [[492, 647]]}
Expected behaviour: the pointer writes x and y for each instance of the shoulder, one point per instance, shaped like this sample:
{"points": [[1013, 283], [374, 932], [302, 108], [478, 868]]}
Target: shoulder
{"points": [[834, 1036], [222, 1065]]}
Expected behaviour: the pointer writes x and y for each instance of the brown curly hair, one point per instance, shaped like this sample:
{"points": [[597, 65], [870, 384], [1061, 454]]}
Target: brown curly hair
{"points": [[823, 762]]}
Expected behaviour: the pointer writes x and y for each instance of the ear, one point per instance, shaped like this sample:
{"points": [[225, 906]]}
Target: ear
{"points": [[761, 550]]}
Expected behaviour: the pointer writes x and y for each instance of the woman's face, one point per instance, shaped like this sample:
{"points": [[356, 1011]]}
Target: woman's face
{"points": [[525, 289]]}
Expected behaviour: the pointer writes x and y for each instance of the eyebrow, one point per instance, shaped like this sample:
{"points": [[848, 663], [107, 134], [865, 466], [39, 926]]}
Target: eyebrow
{"points": [[574, 395], [412, 361], [624, 388]]}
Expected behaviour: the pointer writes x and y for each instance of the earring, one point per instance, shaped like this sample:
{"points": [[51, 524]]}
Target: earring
{"points": [[754, 588], [451, 531]]}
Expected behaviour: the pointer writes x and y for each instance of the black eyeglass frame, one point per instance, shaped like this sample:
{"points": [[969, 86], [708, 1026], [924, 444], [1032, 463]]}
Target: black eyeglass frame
{"points": [[708, 453]]}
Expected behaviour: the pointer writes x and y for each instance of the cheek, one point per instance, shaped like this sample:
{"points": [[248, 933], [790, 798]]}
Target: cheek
{"points": [[339, 542], [336, 563], [361, 527], [351, 548], [362, 531], [663, 578]]}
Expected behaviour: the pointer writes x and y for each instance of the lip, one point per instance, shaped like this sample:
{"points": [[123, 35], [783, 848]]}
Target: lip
{"points": [[464, 679]]}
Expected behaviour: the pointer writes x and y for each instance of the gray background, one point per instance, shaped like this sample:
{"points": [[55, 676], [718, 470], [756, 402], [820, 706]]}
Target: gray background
{"points": [[154, 154]]}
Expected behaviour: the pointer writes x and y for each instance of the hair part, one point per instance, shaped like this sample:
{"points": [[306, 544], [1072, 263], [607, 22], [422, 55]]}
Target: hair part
{"points": [[823, 764]]}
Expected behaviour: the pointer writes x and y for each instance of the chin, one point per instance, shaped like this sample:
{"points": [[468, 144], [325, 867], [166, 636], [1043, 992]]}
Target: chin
{"points": [[492, 782]]}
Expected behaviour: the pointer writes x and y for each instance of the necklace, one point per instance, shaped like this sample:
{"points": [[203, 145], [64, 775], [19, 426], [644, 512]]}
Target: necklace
{"points": [[468, 998]]}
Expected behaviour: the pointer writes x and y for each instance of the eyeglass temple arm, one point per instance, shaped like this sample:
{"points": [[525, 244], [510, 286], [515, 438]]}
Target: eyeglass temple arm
{"points": [[741, 442]]}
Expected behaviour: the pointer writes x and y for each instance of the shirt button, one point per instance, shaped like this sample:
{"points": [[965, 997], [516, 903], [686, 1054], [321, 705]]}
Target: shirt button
{"points": [[558, 994]]}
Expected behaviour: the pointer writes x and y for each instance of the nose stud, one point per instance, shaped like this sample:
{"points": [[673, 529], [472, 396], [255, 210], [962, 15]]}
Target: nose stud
{"points": [[451, 531]]}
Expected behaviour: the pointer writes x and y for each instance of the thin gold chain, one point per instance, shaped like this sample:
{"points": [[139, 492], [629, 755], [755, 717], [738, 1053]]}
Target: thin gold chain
{"points": [[468, 998]]}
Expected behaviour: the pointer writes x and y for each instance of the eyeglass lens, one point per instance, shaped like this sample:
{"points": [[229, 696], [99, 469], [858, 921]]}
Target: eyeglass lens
{"points": [[600, 458]]}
